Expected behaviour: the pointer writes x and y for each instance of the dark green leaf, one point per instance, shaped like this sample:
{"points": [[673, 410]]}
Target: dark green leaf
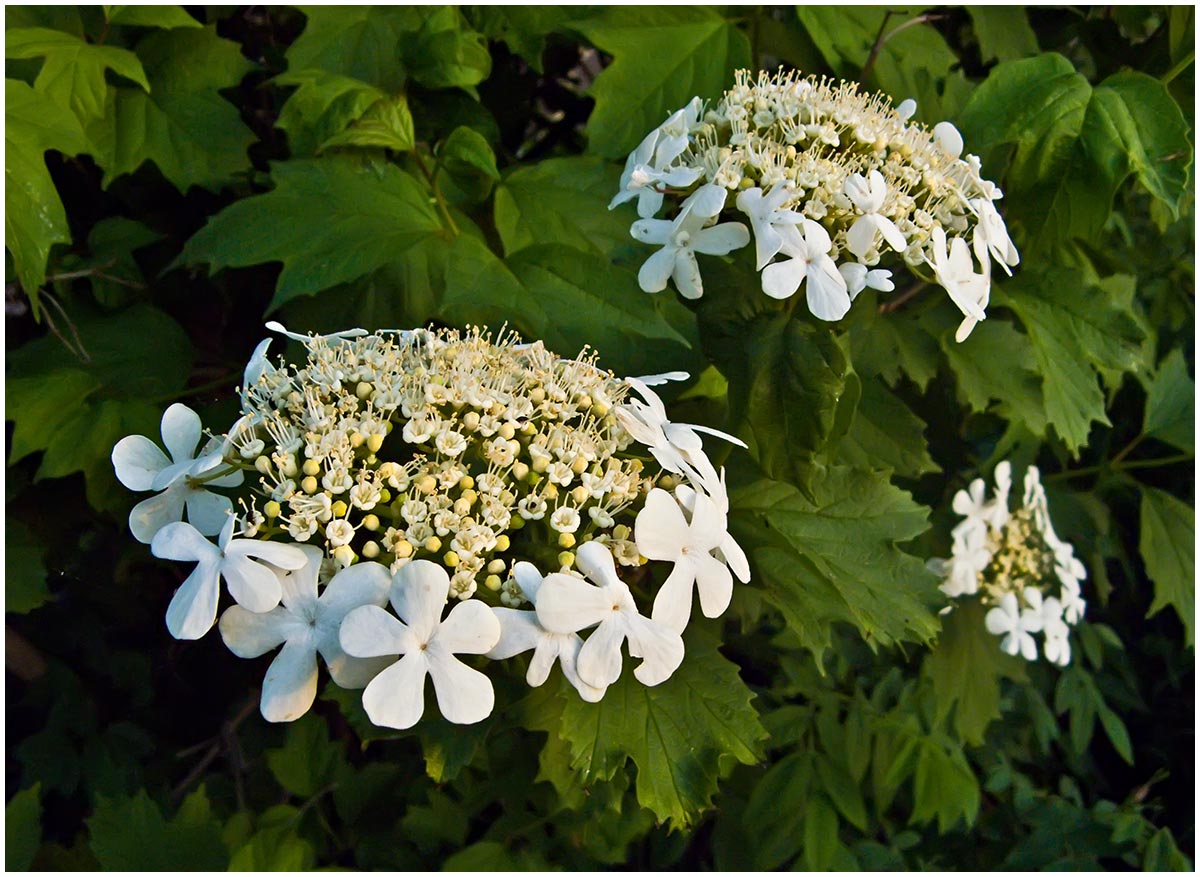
{"points": [[683, 735], [1003, 31], [24, 571], [1167, 546], [322, 106], [997, 363], [34, 219], [468, 160], [328, 220], [1163, 854], [150, 16], [663, 56], [130, 834], [820, 833], [194, 135], [1171, 404], [361, 42], [886, 434], [276, 846], [307, 761], [833, 557], [386, 124], [843, 790], [522, 28], [444, 53], [22, 828]]}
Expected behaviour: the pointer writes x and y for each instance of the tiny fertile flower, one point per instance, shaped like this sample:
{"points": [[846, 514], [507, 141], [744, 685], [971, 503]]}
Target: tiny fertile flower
{"points": [[427, 645], [520, 631], [566, 604], [306, 625], [868, 194], [141, 465], [662, 533], [240, 562], [681, 238], [828, 298]]}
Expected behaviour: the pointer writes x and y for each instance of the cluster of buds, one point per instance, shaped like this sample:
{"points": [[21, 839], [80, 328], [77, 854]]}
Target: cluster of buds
{"points": [[1017, 565], [428, 469], [837, 185]]}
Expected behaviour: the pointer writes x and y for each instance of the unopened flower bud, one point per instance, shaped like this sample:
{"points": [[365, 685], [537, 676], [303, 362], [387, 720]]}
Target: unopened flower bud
{"points": [[371, 522], [371, 549]]}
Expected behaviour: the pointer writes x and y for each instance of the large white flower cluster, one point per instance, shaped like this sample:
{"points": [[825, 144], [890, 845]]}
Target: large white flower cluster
{"points": [[1017, 565], [837, 185], [533, 495]]}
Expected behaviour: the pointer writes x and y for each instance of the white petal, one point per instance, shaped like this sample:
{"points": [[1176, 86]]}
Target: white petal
{"points": [[168, 475], [599, 661], [767, 243], [471, 628], [714, 582], [683, 437], [827, 296], [660, 530], [136, 460], [179, 541], [673, 602], [363, 584], [193, 608], [708, 526], [257, 365], [298, 588], [529, 580], [151, 515], [290, 685], [519, 632], [568, 657], [275, 553], [947, 138], [652, 231], [661, 650], [464, 695], [371, 632], [181, 432], [419, 591], [650, 201], [250, 634], [686, 274], [396, 697], [816, 239], [251, 584], [595, 561], [855, 276], [782, 279], [348, 672], [566, 604], [736, 558], [656, 271], [732, 439], [207, 511], [891, 233], [721, 239], [706, 201], [861, 235], [543, 658]]}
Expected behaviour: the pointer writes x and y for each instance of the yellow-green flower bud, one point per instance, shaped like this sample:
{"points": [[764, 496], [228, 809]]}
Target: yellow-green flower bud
{"points": [[451, 559], [566, 540], [363, 390], [312, 467], [309, 485], [272, 509], [566, 559], [339, 509], [492, 583], [433, 545], [263, 465], [374, 443], [371, 550], [371, 522], [496, 566], [403, 548], [502, 542]]}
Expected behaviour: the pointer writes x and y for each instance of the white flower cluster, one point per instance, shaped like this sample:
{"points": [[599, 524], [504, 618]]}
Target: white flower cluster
{"points": [[411, 467], [1017, 565], [836, 185]]}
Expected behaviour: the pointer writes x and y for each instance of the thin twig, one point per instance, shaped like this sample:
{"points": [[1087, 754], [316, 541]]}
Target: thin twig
{"points": [[888, 306], [221, 741], [881, 40], [77, 348]]}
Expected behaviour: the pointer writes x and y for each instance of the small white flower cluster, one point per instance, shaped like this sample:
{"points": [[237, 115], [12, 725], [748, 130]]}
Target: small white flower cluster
{"points": [[835, 183], [411, 467], [1017, 565]]}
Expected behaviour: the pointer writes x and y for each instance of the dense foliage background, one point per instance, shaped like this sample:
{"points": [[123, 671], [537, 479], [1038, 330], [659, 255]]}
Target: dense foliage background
{"points": [[173, 176]]}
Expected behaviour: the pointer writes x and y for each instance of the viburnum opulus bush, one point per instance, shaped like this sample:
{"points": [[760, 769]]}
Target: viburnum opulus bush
{"points": [[710, 439]]}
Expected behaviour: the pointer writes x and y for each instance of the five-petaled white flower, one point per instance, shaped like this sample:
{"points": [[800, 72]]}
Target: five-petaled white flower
{"points": [[566, 604], [713, 486], [141, 465], [1057, 647], [307, 625], [1016, 625], [772, 224], [968, 559], [648, 166], [427, 645], [828, 298], [868, 194], [681, 238], [241, 562], [956, 273], [675, 445], [663, 533], [520, 631], [859, 277]]}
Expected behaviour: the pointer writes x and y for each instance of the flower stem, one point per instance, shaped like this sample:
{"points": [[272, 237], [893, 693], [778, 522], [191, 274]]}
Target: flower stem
{"points": [[431, 178], [1184, 63]]}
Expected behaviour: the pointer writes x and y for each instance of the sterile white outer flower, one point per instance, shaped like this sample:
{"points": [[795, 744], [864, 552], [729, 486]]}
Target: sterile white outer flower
{"points": [[946, 136], [828, 298], [969, 557], [258, 365], [973, 505], [991, 236], [520, 631], [566, 604], [956, 273], [772, 224], [241, 562], [998, 514], [728, 551], [309, 340], [427, 645], [1073, 604], [868, 194], [681, 238], [675, 445], [859, 277], [1015, 625], [1049, 611], [648, 165], [663, 533], [140, 465], [307, 625]]}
